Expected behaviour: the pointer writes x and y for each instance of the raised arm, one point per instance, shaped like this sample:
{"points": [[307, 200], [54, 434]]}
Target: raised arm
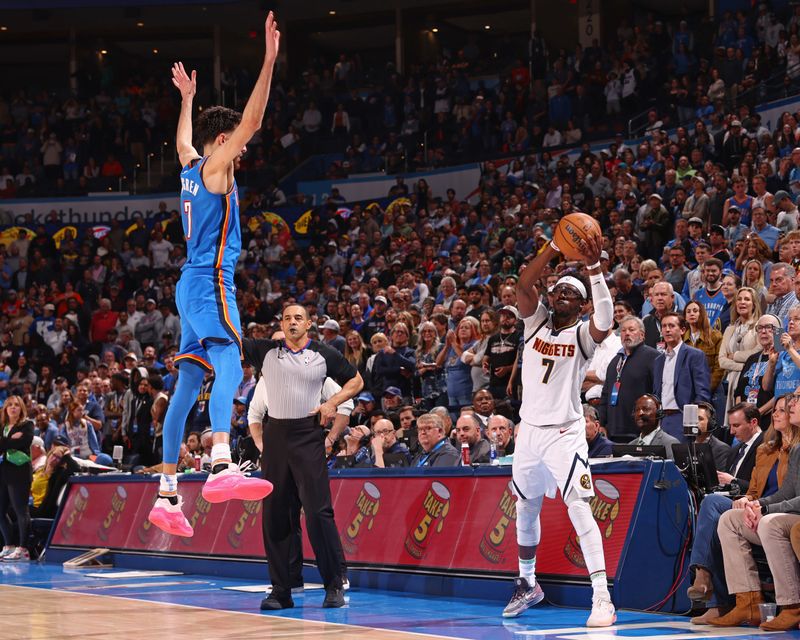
{"points": [[527, 294], [188, 87], [216, 167]]}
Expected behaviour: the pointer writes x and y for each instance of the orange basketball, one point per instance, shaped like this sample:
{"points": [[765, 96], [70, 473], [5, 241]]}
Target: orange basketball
{"points": [[571, 230]]}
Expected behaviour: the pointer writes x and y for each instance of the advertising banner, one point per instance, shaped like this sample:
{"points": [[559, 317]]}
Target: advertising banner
{"points": [[463, 523]]}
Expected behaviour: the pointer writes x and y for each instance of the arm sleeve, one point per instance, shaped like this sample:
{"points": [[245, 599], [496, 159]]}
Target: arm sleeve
{"points": [[258, 403], [603, 317]]}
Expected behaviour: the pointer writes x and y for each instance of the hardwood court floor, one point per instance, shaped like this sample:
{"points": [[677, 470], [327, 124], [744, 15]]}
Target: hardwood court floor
{"points": [[38, 614]]}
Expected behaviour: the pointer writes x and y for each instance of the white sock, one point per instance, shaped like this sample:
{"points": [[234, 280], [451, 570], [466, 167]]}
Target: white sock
{"points": [[168, 485], [527, 570], [220, 453], [600, 585]]}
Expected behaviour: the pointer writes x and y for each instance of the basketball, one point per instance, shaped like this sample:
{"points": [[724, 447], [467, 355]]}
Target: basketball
{"points": [[571, 230]]}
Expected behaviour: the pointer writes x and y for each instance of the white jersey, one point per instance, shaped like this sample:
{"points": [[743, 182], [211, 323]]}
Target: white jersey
{"points": [[554, 365]]}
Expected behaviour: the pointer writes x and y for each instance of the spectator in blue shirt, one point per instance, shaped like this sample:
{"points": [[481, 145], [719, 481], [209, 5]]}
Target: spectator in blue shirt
{"points": [[763, 229]]}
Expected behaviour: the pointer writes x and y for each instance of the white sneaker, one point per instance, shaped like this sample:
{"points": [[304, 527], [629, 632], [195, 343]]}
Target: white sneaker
{"points": [[603, 613], [20, 554], [345, 585], [6, 551]]}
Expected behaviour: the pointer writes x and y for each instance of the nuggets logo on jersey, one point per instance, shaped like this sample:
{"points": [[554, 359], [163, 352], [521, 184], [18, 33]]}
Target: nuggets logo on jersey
{"points": [[556, 350]]}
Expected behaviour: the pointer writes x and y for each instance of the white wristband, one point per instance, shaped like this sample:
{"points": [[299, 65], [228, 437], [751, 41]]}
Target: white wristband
{"points": [[554, 247], [596, 265]]}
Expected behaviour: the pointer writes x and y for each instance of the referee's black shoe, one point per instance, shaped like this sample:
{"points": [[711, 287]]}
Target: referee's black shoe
{"points": [[334, 597], [275, 602]]}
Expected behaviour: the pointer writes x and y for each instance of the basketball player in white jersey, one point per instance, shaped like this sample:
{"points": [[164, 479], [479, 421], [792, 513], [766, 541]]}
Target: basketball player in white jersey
{"points": [[551, 451]]}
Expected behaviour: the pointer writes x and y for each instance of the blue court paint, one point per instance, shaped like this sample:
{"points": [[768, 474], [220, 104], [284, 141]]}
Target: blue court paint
{"points": [[446, 617]]}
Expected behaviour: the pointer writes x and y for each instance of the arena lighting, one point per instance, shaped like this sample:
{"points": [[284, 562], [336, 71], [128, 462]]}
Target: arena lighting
{"points": [[487, 26], [435, 30], [332, 12], [155, 50], [103, 51], [140, 24], [4, 28]]}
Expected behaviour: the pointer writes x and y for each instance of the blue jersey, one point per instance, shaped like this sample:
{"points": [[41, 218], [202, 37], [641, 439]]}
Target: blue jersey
{"points": [[210, 223], [713, 303]]}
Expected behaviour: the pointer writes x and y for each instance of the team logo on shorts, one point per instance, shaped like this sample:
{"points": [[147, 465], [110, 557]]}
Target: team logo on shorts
{"points": [[586, 481]]}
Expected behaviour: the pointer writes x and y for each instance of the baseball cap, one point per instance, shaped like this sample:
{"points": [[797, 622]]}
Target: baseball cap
{"points": [[780, 195], [733, 207], [444, 254], [696, 220], [358, 264], [700, 179], [657, 196], [718, 228], [240, 400], [38, 442], [150, 301], [604, 255], [49, 307], [331, 325], [392, 391], [510, 309], [130, 354], [381, 299], [736, 123], [365, 397]]}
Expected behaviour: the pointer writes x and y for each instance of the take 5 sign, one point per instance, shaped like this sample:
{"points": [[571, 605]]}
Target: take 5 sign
{"points": [[461, 523]]}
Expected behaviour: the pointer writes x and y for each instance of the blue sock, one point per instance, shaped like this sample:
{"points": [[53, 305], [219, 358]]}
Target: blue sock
{"points": [[190, 381], [226, 360]]}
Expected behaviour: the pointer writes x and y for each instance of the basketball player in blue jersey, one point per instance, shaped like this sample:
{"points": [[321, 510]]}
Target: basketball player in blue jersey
{"points": [[205, 293]]}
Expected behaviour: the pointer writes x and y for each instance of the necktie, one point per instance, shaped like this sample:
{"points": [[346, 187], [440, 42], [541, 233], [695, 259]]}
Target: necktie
{"points": [[739, 455]]}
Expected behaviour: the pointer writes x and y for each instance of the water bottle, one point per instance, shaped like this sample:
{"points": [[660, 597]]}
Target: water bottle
{"points": [[465, 454], [197, 465], [493, 451]]}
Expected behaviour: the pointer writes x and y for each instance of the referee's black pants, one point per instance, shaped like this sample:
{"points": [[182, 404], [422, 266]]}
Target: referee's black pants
{"points": [[294, 462]]}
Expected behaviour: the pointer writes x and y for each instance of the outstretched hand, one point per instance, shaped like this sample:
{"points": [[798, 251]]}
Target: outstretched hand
{"points": [[273, 38], [185, 84], [591, 248]]}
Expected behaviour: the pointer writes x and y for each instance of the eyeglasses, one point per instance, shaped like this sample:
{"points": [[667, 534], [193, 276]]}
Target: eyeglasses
{"points": [[384, 432], [765, 327], [424, 429]]}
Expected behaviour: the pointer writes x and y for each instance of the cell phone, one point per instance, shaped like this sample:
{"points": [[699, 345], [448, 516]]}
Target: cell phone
{"points": [[776, 340]]}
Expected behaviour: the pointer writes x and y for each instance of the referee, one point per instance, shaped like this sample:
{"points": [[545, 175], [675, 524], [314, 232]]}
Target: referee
{"points": [[294, 371]]}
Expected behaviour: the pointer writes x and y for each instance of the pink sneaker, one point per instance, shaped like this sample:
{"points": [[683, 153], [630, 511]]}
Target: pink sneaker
{"points": [[232, 484], [169, 518]]}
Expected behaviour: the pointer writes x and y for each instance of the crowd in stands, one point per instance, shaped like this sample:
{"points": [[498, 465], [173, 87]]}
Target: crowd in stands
{"points": [[462, 106]]}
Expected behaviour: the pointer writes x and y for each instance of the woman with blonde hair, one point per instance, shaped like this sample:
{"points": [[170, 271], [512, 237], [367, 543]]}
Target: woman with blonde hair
{"points": [[753, 277], [16, 473], [756, 249], [740, 340], [355, 351], [429, 377], [457, 373], [475, 355]]}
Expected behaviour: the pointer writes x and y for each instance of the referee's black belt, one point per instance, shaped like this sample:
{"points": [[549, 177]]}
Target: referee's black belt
{"points": [[294, 422], [670, 412]]}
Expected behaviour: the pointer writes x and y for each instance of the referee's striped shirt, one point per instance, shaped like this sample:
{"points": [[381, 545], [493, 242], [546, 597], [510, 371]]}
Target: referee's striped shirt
{"points": [[294, 379]]}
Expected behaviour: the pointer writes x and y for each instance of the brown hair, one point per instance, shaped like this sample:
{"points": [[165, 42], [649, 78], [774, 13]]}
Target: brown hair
{"points": [[22, 414]]}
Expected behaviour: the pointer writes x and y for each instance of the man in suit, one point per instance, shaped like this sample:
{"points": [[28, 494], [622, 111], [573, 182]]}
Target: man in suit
{"points": [[628, 376], [647, 418], [599, 445], [743, 419], [680, 376]]}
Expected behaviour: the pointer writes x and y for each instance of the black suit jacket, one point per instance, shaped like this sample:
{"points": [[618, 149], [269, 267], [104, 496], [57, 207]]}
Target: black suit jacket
{"points": [[746, 469], [635, 381]]}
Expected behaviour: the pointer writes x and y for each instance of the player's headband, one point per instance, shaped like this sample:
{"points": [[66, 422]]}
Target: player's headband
{"points": [[575, 283]]}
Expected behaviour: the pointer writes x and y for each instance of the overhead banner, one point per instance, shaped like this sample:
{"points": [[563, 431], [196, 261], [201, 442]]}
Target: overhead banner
{"points": [[588, 21], [87, 209], [465, 524]]}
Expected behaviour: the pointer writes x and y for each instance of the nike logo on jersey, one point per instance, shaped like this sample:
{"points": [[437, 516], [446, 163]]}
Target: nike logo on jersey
{"points": [[563, 430]]}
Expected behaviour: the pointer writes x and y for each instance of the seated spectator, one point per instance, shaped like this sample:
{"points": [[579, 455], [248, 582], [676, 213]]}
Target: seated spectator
{"points": [[599, 445], [647, 421], [707, 424], [78, 433], [468, 430], [435, 448], [50, 479], [384, 440], [501, 429], [769, 472]]}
